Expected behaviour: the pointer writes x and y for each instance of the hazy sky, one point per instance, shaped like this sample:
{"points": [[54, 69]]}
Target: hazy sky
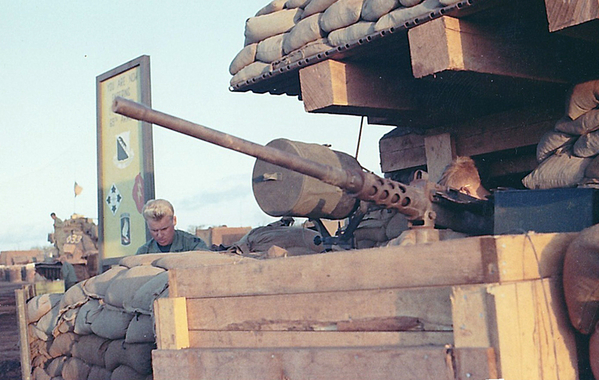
{"points": [[51, 54]]}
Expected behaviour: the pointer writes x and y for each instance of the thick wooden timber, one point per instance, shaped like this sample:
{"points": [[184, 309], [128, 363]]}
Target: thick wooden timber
{"points": [[377, 363], [465, 261], [21, 297], [172, 331], [575, 17]]}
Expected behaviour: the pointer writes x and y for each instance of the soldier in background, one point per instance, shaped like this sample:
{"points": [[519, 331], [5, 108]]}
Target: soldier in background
{"points": [[161, 220]]}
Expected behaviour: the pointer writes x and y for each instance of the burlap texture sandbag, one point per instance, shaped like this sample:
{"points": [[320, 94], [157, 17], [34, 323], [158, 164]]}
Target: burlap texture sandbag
{"points": [[141, 330], [296, 240], [400, 16], [372, 10], [39, 361], [74, 297], [47, 323], [41, 348], [66, 322], [261, 27], [137, 356], [585, 123], [245, 56], [592, 171], [581, 280], [63, 345], [587, 145], [250, 71], [38, 306], [99, 373], [409, 3], [39, 374], [124, 372], [271, 48], [139, 260], [316, 6], [122, 288], [198, 259], [144, 297], [111, 323], [91, 349], [558, 170], [290, 4], [273, 6], [341, 14], [448, 2], [554, 142], [86, 316], [306, 30], [54, 368], [37, 334], [75, 369], [582, 98], [96, 286], [310, 49], [351, 34]]}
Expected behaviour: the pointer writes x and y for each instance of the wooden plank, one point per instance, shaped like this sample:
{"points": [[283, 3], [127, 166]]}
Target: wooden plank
{"points": [[171, 323], [475, 363], [402, 152], [298, 339], [440, 151], [563, 14], [451, 44], [354, 89], [377, 363], [21, 304], [427, 309], [471, 316], [379, 268]]}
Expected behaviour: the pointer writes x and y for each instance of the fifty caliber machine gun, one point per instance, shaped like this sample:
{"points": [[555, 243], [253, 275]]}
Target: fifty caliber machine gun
{"points": [[425, 204]]}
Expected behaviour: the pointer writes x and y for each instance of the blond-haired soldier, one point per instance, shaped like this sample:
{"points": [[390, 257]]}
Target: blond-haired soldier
{"points": [[461, 174], [161, 220]]}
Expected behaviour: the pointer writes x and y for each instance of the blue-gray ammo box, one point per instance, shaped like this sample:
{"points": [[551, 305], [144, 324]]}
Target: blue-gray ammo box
{"points": [[550, 210]]}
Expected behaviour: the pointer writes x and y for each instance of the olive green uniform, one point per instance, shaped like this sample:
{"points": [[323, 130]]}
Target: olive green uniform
{"points": [[182, 242]]}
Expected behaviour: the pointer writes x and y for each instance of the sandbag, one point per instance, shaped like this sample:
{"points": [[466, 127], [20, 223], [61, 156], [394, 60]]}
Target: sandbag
{"points": [[122, 288], [592, 171], [400, 16], [75, 369], [245, 56], [143, 300], [39, 374], [73, 297], [38, 306], [91, 349], [250, 71], [271, 48], [136, 356], [448, 2], [96, 286], [341, 14], [585, 123], [147, 259], [581, 280], [54, 368], [66, 322], [587, 145], [124, 372], [141, 330], [111, 323], [582, 98], [372, 10], [290, 4], [310, 49], [99, 373], [559, 170], [296, 240], [351, 34], [316, 6], [47, 323], [86, 316], [554, 142], [306, 30], [63, 345], [273, 6], [261, 27], [410, 3], [198, 259]]}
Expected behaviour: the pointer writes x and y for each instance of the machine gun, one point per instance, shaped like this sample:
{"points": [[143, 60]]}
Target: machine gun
{"points": [[425, 204]]}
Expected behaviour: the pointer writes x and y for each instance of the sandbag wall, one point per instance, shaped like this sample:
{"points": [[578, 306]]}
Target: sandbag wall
{"points": [[286, 31], [568, 155], [100, 329]]}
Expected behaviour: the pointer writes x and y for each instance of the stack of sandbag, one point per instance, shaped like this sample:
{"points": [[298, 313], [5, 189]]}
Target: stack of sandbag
{"points": [[286, 31], [568, 155]]}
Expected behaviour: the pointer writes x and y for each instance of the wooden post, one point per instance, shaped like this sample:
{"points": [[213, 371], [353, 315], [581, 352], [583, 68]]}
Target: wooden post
{"points": [[440, 151], [21, 300], [171, 323]]}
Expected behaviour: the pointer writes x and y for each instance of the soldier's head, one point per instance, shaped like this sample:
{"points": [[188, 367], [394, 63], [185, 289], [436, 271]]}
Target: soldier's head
{"points": [[461, 174], [161, 220]]}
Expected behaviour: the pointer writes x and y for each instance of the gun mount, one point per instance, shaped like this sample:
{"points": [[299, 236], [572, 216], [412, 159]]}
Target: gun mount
{"points": [[423, 203]]}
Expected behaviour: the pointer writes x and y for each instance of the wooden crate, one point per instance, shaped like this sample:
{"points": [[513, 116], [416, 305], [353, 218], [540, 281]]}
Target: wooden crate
{"points": [[476, 308]]}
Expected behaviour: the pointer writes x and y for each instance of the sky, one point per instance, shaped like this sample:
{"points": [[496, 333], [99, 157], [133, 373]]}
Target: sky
{"points": [[50, 55]]}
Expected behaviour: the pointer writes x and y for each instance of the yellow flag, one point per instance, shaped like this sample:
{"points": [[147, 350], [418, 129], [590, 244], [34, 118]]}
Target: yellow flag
{"points": [[78, 189]]}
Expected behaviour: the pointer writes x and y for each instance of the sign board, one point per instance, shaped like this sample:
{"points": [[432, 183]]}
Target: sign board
{"points": [[125, 162]]}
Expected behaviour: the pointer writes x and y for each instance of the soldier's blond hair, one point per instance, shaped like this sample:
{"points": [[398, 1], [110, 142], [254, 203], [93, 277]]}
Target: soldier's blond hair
{"points": [[460, 172], [156, 209]]}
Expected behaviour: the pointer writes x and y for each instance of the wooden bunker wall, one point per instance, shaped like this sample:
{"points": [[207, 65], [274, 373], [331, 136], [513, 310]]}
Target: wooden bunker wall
{"points": [[480, 307]]}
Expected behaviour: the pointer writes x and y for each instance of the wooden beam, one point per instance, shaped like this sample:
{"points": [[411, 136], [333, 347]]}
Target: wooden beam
{"points": [[171, 323], [451, 44], [21, 304], [375, 363], [353, 89], [563, 14], [440, 151], [299, 339]]}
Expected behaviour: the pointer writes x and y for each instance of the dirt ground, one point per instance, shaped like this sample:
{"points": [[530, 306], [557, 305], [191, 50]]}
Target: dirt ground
{"points": [[10, 366]]}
